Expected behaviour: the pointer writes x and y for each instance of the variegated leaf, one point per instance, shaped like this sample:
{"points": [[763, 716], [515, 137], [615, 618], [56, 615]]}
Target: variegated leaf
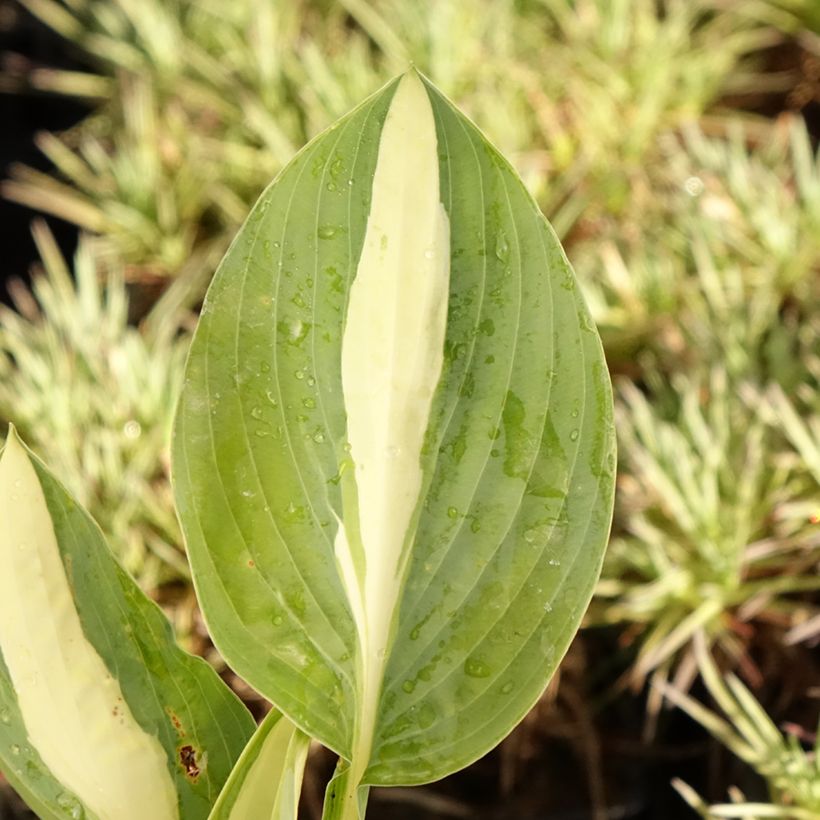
{"points": [[394, 453], [101, 714]]}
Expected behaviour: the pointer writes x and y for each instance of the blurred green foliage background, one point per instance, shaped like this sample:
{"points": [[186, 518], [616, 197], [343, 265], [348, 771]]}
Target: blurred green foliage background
{"points": [[673, 146]]}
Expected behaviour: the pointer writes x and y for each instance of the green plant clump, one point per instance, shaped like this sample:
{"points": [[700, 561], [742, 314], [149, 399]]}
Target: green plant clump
{"points": [[97, 395]]}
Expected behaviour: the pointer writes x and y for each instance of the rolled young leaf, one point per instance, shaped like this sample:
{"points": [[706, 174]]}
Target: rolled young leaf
{"points": [[267, 780], [101, 714], [394, 453]]}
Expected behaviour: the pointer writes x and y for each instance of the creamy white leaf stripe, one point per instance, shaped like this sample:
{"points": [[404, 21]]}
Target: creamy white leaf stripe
{"points": [[392, 355], [73, 709], [266, 782]]}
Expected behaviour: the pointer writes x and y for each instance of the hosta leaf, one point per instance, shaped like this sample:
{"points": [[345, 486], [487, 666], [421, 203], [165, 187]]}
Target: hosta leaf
{"points": [[394, 452], [266, 781], [101, 714]]}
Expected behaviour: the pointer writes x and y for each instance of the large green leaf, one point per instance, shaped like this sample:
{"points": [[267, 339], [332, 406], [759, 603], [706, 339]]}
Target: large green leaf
{"points": [[101, 714], [394, 454]]}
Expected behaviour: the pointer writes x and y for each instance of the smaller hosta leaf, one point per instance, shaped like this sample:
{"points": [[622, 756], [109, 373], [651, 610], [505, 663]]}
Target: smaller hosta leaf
{"points": [[267, 780], [102, 715]]}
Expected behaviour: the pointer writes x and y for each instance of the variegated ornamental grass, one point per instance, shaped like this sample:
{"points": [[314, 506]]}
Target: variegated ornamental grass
{"points": [[394, 466], [394, 454]]}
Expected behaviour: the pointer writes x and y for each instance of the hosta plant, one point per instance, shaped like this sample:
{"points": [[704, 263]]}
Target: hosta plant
{"points": [[393, 464]]}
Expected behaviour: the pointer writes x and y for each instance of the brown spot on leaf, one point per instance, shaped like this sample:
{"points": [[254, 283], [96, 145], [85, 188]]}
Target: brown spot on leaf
{"points": [[175, 721], [187, 757]]}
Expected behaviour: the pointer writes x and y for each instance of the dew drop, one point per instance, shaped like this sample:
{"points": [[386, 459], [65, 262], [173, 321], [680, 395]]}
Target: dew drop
{"points": [[476, 669], [15, 749], [574, 435], [318, 437], [502, 248], [554, 562], [327, 231], [71, 806], [429, 253], [309, 402], [5, 717], [507, 688], [296, 330], [408, 686], [452, 512], [426, 716], [257, 413]]}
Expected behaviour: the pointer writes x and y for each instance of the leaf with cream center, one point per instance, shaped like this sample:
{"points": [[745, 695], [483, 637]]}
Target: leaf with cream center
{"points": [[101, 715], [394, 453], [266, 782]]}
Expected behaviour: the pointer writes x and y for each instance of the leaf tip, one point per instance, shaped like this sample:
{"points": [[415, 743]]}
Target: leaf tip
{"points": [[14, 452]]}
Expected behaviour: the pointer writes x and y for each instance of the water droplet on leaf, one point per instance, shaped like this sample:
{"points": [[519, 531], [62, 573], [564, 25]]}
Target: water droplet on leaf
{"points": [[476, 668], [426, 716], [502, 247], [71, 806], [327, 231]]}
